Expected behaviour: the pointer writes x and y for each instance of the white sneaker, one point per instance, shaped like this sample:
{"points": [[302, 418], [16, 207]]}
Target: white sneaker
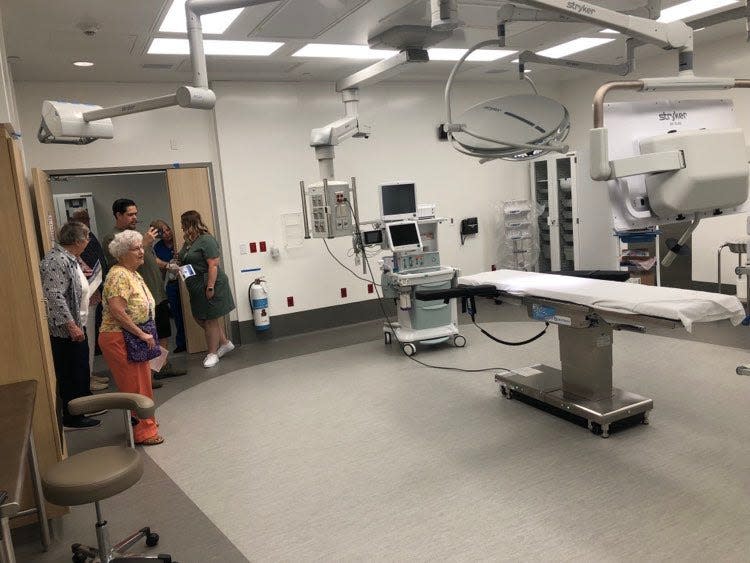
{"points": [[225, 348], [210, 361]]}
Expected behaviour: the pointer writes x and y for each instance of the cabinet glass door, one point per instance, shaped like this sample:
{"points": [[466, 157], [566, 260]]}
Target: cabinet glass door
{"points": [[564, 182], [541, 195]]}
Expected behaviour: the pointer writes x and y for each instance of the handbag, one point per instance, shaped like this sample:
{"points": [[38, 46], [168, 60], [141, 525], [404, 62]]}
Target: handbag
{"points": [[137, 349]]}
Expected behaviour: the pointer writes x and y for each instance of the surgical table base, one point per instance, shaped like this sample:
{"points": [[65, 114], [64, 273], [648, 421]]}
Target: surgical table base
{"points": [[583, 387]]}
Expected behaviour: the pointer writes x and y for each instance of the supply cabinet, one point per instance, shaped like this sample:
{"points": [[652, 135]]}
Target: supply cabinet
{"points": [[575, 224]]}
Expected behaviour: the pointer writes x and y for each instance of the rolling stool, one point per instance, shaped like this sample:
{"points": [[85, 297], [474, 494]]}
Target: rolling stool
{"points": [[94, 475]]}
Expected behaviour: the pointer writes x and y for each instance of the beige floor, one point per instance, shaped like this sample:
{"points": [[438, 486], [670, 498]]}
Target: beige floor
{"points": [[356, 453]]}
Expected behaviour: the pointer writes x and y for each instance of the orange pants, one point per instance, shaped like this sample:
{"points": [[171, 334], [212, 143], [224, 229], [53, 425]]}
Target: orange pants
{"points": [[130, 378]]}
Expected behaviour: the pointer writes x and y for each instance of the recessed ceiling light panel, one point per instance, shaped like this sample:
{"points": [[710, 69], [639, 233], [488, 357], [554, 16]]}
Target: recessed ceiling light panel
{"points": [[481, 55], [83, 63], [212, 24], [329, 51], [574, 46], [692, 8], [167, 46]]}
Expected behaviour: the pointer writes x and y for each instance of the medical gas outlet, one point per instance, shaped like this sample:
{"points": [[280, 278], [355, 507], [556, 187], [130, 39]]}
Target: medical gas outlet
{"points": [[330, 205]]}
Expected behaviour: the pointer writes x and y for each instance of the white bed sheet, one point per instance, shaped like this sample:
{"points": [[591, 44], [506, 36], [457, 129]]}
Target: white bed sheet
{"points": [[682, 305]]}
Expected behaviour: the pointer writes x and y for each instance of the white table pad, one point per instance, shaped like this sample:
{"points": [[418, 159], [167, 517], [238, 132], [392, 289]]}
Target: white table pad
{"points": [[682, 305]]}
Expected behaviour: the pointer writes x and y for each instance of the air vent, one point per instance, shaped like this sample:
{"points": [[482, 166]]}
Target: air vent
{"points": [[496, 71], [158, 66]]}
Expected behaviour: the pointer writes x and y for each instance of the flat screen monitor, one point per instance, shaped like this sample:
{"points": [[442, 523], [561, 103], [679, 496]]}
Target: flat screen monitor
{"points": [[398, 201], [372, 237], [403, 236]]}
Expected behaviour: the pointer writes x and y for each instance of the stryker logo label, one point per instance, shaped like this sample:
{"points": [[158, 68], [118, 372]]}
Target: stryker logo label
{"points": [[581, 8], [492, 108], [672, 115], [127, 107]]}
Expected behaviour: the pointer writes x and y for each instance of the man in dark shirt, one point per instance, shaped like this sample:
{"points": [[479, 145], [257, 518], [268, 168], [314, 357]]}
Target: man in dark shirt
{"points": [[125, 212]]}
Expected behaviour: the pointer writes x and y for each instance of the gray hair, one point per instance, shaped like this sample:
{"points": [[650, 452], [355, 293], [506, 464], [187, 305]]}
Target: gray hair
{"points": [[123, 242], [72, 233]]}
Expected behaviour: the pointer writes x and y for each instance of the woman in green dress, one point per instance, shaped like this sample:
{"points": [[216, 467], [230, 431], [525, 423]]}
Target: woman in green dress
{"points": [[207, 285]]}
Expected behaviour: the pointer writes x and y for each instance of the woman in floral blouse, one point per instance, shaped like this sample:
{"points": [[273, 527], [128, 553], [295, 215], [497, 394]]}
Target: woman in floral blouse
{"points": [[128, 303]]}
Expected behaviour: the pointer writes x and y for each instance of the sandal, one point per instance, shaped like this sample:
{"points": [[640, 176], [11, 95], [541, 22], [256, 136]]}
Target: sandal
{"points": [[152, 441]]}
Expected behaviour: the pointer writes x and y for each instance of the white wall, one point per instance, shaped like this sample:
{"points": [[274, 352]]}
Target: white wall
{"points": [[728, 57], [257, 139], [264, 150]]}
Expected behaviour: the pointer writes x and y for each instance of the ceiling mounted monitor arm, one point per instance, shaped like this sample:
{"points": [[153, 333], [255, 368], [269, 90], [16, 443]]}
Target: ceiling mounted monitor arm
{"points": [[324, 139]]}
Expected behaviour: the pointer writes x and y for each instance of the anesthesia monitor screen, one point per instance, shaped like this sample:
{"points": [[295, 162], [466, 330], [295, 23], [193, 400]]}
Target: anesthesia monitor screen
{"points": [[404, 234], [398, 199]]}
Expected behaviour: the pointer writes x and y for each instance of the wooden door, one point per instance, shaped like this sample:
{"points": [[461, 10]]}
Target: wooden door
{"points": [[24, 335], [45, 210], [190, 189]]}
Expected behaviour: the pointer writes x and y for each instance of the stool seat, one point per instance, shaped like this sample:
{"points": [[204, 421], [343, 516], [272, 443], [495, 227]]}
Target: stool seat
{"points": [[92, 475]]}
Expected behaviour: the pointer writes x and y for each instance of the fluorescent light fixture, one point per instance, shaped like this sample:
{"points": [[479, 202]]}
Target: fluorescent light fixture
{"points": [[575, 46], [484, 55], [165, 46], [83, 63], [328, 51], [610, 31], [174, 21], [692, 8]]}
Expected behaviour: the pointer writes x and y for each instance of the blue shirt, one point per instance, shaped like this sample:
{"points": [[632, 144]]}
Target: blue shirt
{"points": [[163, 252]]}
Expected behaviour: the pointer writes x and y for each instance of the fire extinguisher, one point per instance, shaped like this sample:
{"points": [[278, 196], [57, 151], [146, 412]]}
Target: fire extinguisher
{"points": [[259, 304]]}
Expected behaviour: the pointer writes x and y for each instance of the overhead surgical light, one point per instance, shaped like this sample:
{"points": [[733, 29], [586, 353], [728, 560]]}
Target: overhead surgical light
{"points": [[516, 128]]}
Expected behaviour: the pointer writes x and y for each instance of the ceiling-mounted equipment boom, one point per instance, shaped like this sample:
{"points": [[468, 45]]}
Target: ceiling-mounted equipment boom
{"points": [[70, 123]]}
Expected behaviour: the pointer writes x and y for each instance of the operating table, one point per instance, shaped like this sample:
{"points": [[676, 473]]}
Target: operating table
{"points": [[586, 312]]}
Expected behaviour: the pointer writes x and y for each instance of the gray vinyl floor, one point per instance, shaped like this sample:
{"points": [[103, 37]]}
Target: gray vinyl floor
{"points": [[327, 446]]}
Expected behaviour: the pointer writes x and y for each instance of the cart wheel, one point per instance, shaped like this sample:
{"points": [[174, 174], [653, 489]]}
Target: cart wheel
{"points": [[506, 392], [459, 341], [387, 337], [409, 349], [595, 428], [152, 539]]}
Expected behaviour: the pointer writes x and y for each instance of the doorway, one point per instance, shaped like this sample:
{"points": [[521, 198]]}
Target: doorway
{"points": [[160, 192]]}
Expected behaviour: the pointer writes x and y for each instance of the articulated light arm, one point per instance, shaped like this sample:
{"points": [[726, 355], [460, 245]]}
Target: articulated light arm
{"points": [[198, 96], [674, 35]]}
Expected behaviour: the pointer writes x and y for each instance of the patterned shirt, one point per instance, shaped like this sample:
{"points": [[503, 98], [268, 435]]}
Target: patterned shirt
{"points": [[149, 270], [139, 303], [62, 290]]}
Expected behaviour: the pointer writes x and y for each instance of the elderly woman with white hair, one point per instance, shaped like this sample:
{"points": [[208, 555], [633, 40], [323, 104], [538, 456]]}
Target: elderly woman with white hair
{"points": [[128, 334]]}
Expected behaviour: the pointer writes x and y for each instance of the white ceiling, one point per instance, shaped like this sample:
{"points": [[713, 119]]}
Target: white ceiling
{"points": [[46, 37]]}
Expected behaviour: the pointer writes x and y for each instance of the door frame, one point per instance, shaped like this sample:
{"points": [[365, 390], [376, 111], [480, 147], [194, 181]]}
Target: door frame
{"points": [[219, 217]]}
